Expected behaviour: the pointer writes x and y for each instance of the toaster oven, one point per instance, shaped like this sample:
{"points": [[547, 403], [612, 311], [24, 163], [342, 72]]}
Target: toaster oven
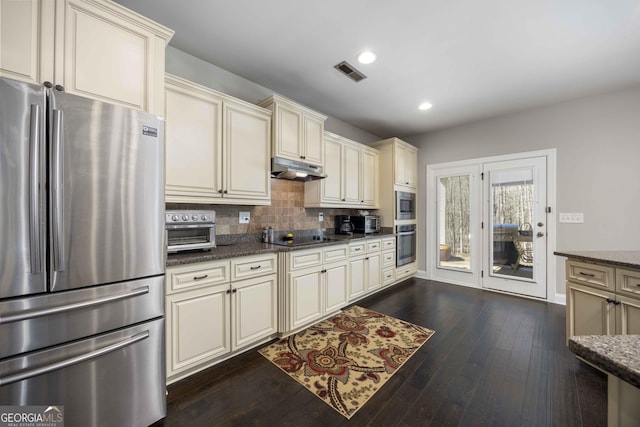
{"points": [[190, 230], [366, 224]]}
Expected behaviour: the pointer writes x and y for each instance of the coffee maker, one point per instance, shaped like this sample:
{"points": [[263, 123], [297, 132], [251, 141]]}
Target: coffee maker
{"points": [[343, 224]]}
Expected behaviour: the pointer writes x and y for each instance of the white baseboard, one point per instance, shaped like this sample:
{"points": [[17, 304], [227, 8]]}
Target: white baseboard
{"points": [[421, 274], [560, 299]]}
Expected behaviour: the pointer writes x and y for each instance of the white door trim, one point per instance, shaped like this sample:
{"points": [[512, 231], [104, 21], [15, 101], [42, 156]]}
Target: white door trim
{"points": [[431, 223]]}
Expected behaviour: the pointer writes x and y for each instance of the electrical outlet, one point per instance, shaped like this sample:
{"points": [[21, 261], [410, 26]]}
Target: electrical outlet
{"points": [[321, 217], [244, 217], [571, 218]]}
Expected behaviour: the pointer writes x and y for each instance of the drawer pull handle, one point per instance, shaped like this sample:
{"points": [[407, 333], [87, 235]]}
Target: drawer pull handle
{"points": [[255, 268], [356, 249], [609, 301], [200, 277], [587, 274]]}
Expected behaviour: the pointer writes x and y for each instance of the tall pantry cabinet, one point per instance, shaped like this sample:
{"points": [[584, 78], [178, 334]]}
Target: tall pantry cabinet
{"points": [[93, 48]]}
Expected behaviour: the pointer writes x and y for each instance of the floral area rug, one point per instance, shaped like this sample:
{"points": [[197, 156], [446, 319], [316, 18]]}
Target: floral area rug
{"points": [[345, 359]]}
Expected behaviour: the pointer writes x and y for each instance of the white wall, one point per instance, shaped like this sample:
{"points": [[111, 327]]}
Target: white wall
{"points": [[191, 68], [598, 145]]}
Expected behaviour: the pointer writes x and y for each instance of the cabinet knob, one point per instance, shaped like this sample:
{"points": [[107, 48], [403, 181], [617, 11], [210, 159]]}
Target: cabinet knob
{"points": [[59, 88], [48, 85], [220, 191], [225, 191], [234, 290], [344, 200]]}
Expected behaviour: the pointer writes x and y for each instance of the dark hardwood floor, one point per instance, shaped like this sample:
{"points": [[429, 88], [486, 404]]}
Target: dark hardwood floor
{"points": [[495, 360]]}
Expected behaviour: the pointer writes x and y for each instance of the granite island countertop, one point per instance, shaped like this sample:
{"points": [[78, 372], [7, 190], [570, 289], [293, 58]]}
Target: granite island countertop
{"points": [[232, 250], [630, 259], [618, 355]]}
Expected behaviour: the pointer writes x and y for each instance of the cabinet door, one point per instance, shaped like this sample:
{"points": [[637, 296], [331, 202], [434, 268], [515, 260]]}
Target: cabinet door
{"points": [[246, 142], [106, 56], [332, 184], [374, 272], [313, 131], [401, 164], [369, 179], [351, 183], [26, 40], [197, 327], [306, 297], [356, 278], [589, 311], [288, 132], [411, 168], [254, 303], [628, 316], [335, 283], [193, 143]]}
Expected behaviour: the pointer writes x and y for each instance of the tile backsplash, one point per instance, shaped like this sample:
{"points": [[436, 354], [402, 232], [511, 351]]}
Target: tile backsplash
{"points": [[287, 212]]}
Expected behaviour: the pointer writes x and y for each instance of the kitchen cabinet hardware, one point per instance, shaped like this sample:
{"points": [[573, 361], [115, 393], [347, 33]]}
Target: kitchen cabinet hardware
{"points": [[323, 271], [234, 290], [540, 224], [228, 291], [255, 268], [204, 276], [48, 85], [225, 192], [220, 191], [609, 300], [582, 273], [540, 234]]}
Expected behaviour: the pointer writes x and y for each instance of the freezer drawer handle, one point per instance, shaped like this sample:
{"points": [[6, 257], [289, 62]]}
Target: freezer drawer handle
{"points": [[24, 375], [30, 314], [34, 191]]}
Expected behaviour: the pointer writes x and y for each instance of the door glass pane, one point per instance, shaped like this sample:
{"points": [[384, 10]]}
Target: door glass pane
{"points": [[454, 222], [512, 203]]}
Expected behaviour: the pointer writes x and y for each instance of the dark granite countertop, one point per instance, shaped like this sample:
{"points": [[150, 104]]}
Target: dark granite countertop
{"points": [[629, 259], [617, 354], [231, 250]]}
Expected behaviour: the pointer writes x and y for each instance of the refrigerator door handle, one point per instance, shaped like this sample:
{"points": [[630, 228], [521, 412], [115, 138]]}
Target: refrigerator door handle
{"points": [[20, 316], [35, 236], [23, 375], [57, 191]]}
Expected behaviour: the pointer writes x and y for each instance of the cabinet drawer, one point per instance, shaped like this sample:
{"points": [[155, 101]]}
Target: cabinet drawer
{"points": [[388, 259], [305, 258], [595, 275], [198, 275], [335, 253], [388, 243], [406, 270], [373, 246], [358, 248], [253, 266], [388, 276], [628, 282]]}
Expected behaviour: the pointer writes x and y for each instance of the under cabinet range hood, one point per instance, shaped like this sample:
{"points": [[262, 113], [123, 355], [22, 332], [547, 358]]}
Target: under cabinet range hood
{"points": [[295, 170]]}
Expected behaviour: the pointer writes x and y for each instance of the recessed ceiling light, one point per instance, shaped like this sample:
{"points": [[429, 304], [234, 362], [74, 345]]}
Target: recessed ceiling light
{"points": [[366, 57], [425, 106]]}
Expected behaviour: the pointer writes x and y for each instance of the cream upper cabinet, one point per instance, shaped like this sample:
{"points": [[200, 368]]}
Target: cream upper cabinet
{"points": [[246, 165], [297, 131], [352, 176], [93, 48], [406, 164], [217, 147]]}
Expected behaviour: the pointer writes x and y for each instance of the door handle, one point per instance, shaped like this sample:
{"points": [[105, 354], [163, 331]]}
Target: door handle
{"points": [[34, 190], [58, 191]]}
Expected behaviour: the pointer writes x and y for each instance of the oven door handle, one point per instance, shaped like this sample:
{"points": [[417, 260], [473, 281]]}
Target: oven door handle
{"points": [[405, 233], [24, 375], [46, 311]]}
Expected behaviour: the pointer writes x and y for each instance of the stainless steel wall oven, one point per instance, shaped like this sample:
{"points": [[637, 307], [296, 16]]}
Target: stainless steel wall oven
{"points": [[406, 244]]}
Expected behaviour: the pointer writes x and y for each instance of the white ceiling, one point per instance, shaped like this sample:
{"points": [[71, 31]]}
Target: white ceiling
{"points": [[471, 59]]}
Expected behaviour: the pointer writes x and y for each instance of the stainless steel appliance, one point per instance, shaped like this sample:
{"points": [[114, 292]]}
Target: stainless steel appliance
{"points": [[295, 170], [366, 223], [405, 244], [190, 230], [81, 257], [405, 205], [343, 224]]}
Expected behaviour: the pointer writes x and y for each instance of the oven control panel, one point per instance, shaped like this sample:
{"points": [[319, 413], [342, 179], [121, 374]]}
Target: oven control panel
{"points": [[190, 217]]}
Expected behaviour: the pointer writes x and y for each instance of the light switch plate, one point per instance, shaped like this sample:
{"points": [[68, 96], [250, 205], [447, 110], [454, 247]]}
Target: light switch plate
{"points": [[571, 218], [244, 217], [321, 216]]}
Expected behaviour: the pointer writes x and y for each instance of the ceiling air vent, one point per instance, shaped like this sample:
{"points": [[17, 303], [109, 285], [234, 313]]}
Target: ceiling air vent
{"points": [[348, 70]]}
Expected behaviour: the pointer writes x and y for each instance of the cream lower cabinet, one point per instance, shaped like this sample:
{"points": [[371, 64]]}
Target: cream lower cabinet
{"points": [[217, 147], [352, 180], [93, 48], [602, 299], [365, 268], [213, 311], [316, 285]]}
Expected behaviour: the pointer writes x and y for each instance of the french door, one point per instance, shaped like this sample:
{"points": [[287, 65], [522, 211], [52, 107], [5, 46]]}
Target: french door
{"points": [[515, 226], [487, 223]]}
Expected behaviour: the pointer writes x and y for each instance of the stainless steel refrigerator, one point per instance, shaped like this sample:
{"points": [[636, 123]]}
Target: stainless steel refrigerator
{"points": [[81, 257]]}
